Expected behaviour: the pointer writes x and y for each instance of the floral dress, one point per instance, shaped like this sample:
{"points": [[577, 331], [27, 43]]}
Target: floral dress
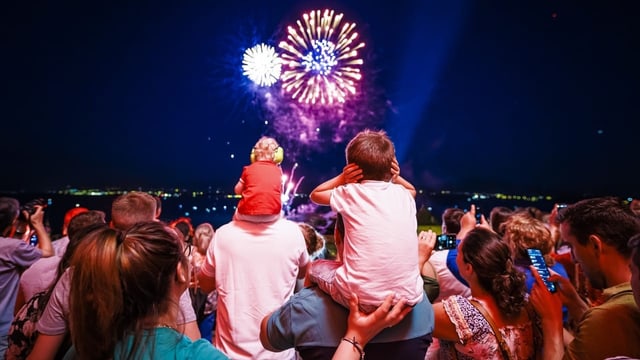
{"points": [[477, 340]]}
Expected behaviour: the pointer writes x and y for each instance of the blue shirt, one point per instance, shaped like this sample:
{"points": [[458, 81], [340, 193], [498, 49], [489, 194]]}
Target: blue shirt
{"points": [[452, 266], [312, 323]]}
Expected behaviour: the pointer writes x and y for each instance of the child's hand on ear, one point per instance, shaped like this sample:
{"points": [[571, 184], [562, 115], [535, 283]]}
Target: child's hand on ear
{"points": [[351, 173], [395, 170]]}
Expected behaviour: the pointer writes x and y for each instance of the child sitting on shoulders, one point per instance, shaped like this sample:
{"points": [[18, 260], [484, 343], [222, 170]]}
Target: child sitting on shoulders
{"points": [[261, 183], [380, 238]]}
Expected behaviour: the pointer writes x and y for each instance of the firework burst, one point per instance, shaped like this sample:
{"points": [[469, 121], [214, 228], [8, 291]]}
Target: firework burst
{"points": [[261, 65], [320, 59]]}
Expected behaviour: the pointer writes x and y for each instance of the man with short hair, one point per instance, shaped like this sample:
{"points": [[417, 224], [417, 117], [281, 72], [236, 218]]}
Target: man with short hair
{"points": [[131, 208], [597, 230], [16, 256]]}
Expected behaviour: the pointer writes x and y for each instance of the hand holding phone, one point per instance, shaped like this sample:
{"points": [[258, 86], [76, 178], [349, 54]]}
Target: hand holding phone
{"points": [[537, 260], [446, 242]]}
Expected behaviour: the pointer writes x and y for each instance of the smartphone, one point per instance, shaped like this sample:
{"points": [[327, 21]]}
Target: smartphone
{"points": [[478, 215], [537, 260], [33, 240], [446, 242]]}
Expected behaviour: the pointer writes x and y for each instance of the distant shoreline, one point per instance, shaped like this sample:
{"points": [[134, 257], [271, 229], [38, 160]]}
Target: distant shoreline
{"points": [[217, 208]]}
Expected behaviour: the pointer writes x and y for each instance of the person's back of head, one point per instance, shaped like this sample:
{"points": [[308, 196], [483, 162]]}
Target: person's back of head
{"points": [[492, 263], [313, 239], [70, 214], [532, 211], [183, 225], [607, 217], [121, 285], [203, 235], [9, 211], [131, 208], [265, 149], [522, 231], [79, 226], [451, 220], [498, 216], [373, 152]]}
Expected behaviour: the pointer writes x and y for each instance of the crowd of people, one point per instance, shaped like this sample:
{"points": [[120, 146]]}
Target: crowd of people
{"points": [[122, 283]]}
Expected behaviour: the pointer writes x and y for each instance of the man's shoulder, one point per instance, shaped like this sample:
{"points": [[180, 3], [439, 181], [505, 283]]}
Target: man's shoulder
{"points": [[17, 249], [9, 243], [312, 301], [621, 305]]}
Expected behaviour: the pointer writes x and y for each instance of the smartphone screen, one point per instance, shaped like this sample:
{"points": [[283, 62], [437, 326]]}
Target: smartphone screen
{"points": [[445, 242], [537, 260], [33, 240], [478, 215]]}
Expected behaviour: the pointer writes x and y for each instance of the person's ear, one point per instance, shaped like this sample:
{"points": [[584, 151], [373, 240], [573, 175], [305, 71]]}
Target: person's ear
{"points": [[596, 244], [182, 274]]}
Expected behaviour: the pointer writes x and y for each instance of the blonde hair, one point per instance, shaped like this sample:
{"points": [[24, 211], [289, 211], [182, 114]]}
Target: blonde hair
{"points": [[523, 231], [203, 235], [265, 149], [131, 208]]}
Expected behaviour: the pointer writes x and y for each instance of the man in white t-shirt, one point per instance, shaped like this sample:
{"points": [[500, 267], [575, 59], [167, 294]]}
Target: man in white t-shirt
{"points": [[254, 267]]}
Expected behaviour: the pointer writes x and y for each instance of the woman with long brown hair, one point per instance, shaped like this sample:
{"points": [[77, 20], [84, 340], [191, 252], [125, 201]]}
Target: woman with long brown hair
{"points": [[124, 296], [495, 322]]}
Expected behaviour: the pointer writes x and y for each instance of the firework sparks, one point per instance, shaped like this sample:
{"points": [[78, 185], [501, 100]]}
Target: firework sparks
{"points": [[289, 189], [261, 65], [320, 59]]}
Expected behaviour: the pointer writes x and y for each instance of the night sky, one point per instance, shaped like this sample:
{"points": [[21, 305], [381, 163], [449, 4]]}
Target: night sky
{"points": [[513, 96]]}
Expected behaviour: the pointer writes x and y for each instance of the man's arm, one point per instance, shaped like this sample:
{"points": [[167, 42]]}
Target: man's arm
{"points": [[264, 336]]}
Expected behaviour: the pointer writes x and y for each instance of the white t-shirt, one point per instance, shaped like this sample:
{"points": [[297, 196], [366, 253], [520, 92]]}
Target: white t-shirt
{"points": [[255, 266], [380, 242], [39, 276]]}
